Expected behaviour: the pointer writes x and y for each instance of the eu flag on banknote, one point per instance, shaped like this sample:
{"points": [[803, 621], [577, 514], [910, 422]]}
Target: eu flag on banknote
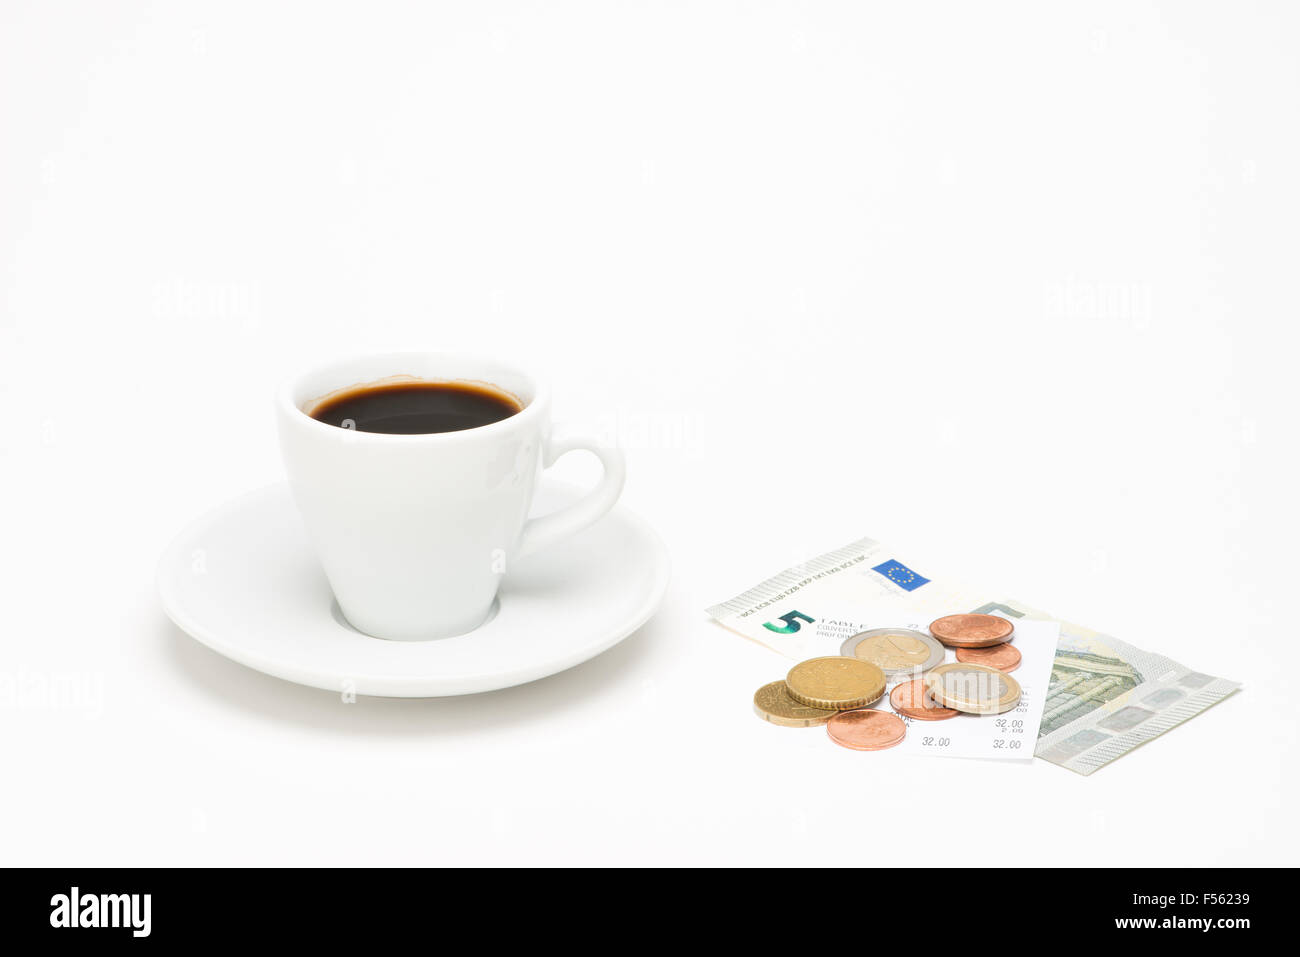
{"points": [[900, 575]]}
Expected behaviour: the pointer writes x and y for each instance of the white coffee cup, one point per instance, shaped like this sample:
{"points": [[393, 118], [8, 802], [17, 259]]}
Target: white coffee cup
{"points": [[415, 532]]}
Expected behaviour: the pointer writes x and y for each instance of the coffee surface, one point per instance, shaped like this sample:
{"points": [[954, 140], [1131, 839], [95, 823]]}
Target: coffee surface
{"points": [[417, 408]]}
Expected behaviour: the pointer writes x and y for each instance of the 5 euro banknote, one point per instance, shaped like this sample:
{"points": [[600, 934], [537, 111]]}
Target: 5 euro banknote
{"points": [[1104, 697]]}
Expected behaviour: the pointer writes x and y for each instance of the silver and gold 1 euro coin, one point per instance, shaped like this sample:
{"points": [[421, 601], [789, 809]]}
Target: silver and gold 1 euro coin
{"points": [[895, 651], [973, 689]]}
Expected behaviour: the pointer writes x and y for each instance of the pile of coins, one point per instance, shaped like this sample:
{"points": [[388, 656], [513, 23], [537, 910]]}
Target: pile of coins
{"points": [[836, 691]]}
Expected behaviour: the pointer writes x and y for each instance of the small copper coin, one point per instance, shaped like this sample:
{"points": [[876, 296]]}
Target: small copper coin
{"points": [[972, 631], [1004, 657], [913, 700], [866, 730]]}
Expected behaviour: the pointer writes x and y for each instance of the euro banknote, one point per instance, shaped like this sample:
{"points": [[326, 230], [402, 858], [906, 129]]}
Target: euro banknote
{"points": [[1105, 697]]}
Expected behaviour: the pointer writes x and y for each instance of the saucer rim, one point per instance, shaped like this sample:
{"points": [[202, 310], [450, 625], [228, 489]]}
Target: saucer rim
{"points": [[399, 685]]}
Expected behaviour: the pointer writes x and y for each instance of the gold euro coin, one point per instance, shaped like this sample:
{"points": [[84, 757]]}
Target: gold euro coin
{"points": [[773, 703], [895, 651], [973, 689], [839, 684]]}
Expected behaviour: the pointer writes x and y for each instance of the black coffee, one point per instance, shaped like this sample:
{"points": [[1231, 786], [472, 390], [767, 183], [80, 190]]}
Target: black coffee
{"points": [[417, 408]]}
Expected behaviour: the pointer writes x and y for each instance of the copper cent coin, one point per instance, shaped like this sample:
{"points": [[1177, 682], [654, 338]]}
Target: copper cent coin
{"points": [[972, 631], [913, 700], [1004, 657], [866, 730]]}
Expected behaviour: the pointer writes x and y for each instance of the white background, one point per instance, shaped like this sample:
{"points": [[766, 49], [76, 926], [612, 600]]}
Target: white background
{"points": [[1010, 287]]}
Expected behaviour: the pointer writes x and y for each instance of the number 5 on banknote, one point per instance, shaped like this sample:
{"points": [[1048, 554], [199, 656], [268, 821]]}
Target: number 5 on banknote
{"points": [[791, 625]]}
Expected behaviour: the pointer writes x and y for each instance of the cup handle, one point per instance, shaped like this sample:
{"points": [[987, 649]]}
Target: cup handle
{"points": [[549, 529]]}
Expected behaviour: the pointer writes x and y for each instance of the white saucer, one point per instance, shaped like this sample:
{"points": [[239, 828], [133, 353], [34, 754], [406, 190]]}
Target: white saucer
{"points": [[243, 580]]}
